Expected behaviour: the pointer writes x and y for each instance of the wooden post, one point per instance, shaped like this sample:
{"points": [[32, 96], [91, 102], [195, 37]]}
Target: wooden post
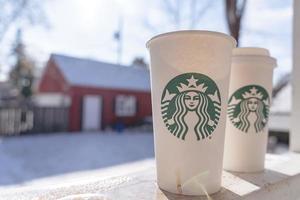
{"points": [[295, 113]]}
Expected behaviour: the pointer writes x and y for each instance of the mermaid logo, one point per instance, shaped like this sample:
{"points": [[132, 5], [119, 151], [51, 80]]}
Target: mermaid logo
{"points": [[191, 103], [248, 108]]}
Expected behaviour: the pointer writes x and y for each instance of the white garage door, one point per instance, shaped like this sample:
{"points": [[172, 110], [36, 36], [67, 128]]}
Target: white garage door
{"points": [[91, 113]]}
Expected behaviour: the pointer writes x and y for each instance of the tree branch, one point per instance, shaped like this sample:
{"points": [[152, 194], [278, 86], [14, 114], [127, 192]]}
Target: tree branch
{"points": [[234, 15], [14, 10]]}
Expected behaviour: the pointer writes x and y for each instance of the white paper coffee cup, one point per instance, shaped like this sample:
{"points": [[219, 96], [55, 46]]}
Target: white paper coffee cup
{"points": [[250, 94], [189, 84]]}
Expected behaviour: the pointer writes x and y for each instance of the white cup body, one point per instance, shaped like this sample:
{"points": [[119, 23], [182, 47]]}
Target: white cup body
{"points": [[191, 165], [250, 94]]}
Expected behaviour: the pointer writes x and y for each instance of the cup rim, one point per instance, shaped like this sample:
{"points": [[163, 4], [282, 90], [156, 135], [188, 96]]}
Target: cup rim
{"points": [[259, 51], [200, 32], [258, 58]]}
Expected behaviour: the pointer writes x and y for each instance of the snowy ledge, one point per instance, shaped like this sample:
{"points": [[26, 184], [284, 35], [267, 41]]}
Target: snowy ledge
{"points": [[280, 180]]}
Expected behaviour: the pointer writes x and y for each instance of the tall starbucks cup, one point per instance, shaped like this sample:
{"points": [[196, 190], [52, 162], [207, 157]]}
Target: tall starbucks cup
{"points": [[189, 83], [250, 94]]}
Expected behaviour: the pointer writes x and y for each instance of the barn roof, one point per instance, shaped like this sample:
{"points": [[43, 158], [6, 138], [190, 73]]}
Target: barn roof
{"points": [[86, 72], [282, 100], [282, 103]]}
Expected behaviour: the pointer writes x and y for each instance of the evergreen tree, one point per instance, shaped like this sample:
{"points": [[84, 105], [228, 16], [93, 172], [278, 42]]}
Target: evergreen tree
{"points": [[21, 75]]}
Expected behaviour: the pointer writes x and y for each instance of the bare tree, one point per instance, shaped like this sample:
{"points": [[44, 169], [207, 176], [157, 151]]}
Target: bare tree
{"points": [[197, 10], [282, 83], [234, 13], [13, 11], [180, 14]]}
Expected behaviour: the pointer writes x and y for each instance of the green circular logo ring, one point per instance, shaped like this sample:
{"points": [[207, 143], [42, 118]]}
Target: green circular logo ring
{"points": [[248, 108], [191, 94]]}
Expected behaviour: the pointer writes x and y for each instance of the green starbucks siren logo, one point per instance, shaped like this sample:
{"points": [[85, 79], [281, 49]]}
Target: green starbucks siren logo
{"points": [[191, 97], [248, 108]]}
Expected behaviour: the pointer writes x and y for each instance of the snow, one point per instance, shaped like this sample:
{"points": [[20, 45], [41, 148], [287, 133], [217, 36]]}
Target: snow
{"points": [[283, 101], [26, 159], [280, 110], [78, 166], [100, 74]]}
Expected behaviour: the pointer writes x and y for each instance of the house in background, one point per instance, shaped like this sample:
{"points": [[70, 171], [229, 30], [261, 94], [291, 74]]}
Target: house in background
{"points": [[280, 111], [8, 94], [98, 94]]}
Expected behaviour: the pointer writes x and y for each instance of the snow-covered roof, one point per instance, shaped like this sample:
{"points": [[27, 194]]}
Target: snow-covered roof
{"points": [[282, 103], [86, 72]]}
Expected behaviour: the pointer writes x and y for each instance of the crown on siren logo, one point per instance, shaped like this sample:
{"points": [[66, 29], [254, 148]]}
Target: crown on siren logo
{"points": [[253, 93], [192, 86]]}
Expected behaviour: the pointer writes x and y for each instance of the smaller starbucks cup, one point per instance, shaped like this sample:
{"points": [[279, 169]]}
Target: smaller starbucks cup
{"points": [[250, 93]]}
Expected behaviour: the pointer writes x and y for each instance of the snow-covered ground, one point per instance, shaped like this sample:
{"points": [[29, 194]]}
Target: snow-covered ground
{"points": [[28, 158], [50, 160]]}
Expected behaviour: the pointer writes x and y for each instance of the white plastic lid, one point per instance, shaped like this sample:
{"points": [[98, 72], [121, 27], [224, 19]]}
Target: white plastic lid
{"points": [[255, 51], [253, 54], [194, 32]]}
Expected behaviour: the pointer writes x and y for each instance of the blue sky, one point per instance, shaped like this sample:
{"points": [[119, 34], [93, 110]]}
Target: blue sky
{"points": [[85, 28]]}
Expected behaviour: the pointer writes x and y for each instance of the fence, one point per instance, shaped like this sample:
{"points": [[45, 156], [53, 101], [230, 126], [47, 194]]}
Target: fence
{"points": [[18, 120]]}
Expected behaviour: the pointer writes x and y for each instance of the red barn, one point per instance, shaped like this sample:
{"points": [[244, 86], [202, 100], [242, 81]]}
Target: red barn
{"points": [[101, 94]]}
